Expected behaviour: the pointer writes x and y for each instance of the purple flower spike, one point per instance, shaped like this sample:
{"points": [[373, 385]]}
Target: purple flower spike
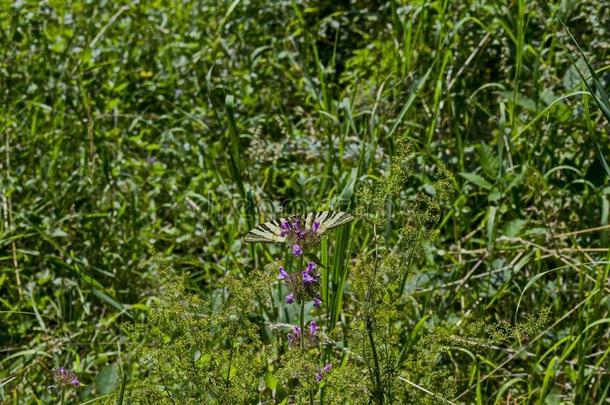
{"points": [[75, 382], [327, 367], [283, 275], [317, 302], [315, 227], [319, 377], [297, 250], [289, 298], [313, 328]]}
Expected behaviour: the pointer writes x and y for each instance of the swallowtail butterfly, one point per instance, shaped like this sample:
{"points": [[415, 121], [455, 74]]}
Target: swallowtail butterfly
{"points": [[313, 224]]}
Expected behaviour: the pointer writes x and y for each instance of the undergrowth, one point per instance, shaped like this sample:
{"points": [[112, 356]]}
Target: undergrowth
{"points": [[139, 141]]}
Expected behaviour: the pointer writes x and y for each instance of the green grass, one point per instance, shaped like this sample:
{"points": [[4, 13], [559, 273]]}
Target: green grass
{"points": [[115, 115]]}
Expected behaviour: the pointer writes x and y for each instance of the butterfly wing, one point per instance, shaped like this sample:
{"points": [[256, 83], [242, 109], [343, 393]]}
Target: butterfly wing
{"points": [[330, 219], [270, 232]]}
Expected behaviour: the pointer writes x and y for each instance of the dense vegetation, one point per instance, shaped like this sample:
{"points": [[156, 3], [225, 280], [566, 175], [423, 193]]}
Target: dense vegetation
{"points": [[141, 140]]}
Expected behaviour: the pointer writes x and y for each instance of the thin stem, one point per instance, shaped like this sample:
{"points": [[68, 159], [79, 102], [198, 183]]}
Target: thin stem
{"points": [[378, 394], [302, 324], [302, 314], [378, 389], [229, 368]]}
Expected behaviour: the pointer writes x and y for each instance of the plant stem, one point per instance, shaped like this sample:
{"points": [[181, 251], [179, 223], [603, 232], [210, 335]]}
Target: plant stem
{"points": [[302, 324], [378, 392], [302, 314]]}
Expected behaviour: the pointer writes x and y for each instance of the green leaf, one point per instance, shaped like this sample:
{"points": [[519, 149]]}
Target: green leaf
{"points": [[107, 379], [514, 227], [477, 180]]}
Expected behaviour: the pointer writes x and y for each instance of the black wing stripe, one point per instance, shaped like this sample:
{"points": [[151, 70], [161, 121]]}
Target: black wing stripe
{"points": [[273, 228], [341, 219], [257, 235], [330, 221], [261, 231], [323, 216]]}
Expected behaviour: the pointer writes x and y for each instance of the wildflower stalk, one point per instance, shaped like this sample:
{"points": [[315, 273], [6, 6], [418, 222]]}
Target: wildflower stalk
{"points": [[229, 368], [302, 314], [302, 324], [378, 390]]}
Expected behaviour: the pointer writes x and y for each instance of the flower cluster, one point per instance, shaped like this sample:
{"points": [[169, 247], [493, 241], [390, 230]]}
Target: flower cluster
{"points": [[323, 371], [299, 238], [303, 285], [64, 377], [310, 336]]}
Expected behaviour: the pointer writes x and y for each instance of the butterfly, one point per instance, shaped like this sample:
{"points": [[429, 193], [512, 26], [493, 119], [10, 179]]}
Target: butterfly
{"points": [[298, 227]]}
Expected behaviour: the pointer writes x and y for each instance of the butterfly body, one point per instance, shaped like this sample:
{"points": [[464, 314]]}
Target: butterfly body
{"points": [[298, 227]]}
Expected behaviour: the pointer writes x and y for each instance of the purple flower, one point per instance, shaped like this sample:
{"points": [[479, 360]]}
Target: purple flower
{"points": [[289, 298], [308, 279], [308, 276], [285, 225], [294, 335], [283, 275], [297, 225], [323, 371], [297, 250], [317, 302], [311, 266], [63, 377], [296, 231], [313, 328]]}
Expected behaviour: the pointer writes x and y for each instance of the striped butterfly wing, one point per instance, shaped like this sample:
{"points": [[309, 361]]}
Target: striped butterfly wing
{"points": [[327, 220], [270, 232]]}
